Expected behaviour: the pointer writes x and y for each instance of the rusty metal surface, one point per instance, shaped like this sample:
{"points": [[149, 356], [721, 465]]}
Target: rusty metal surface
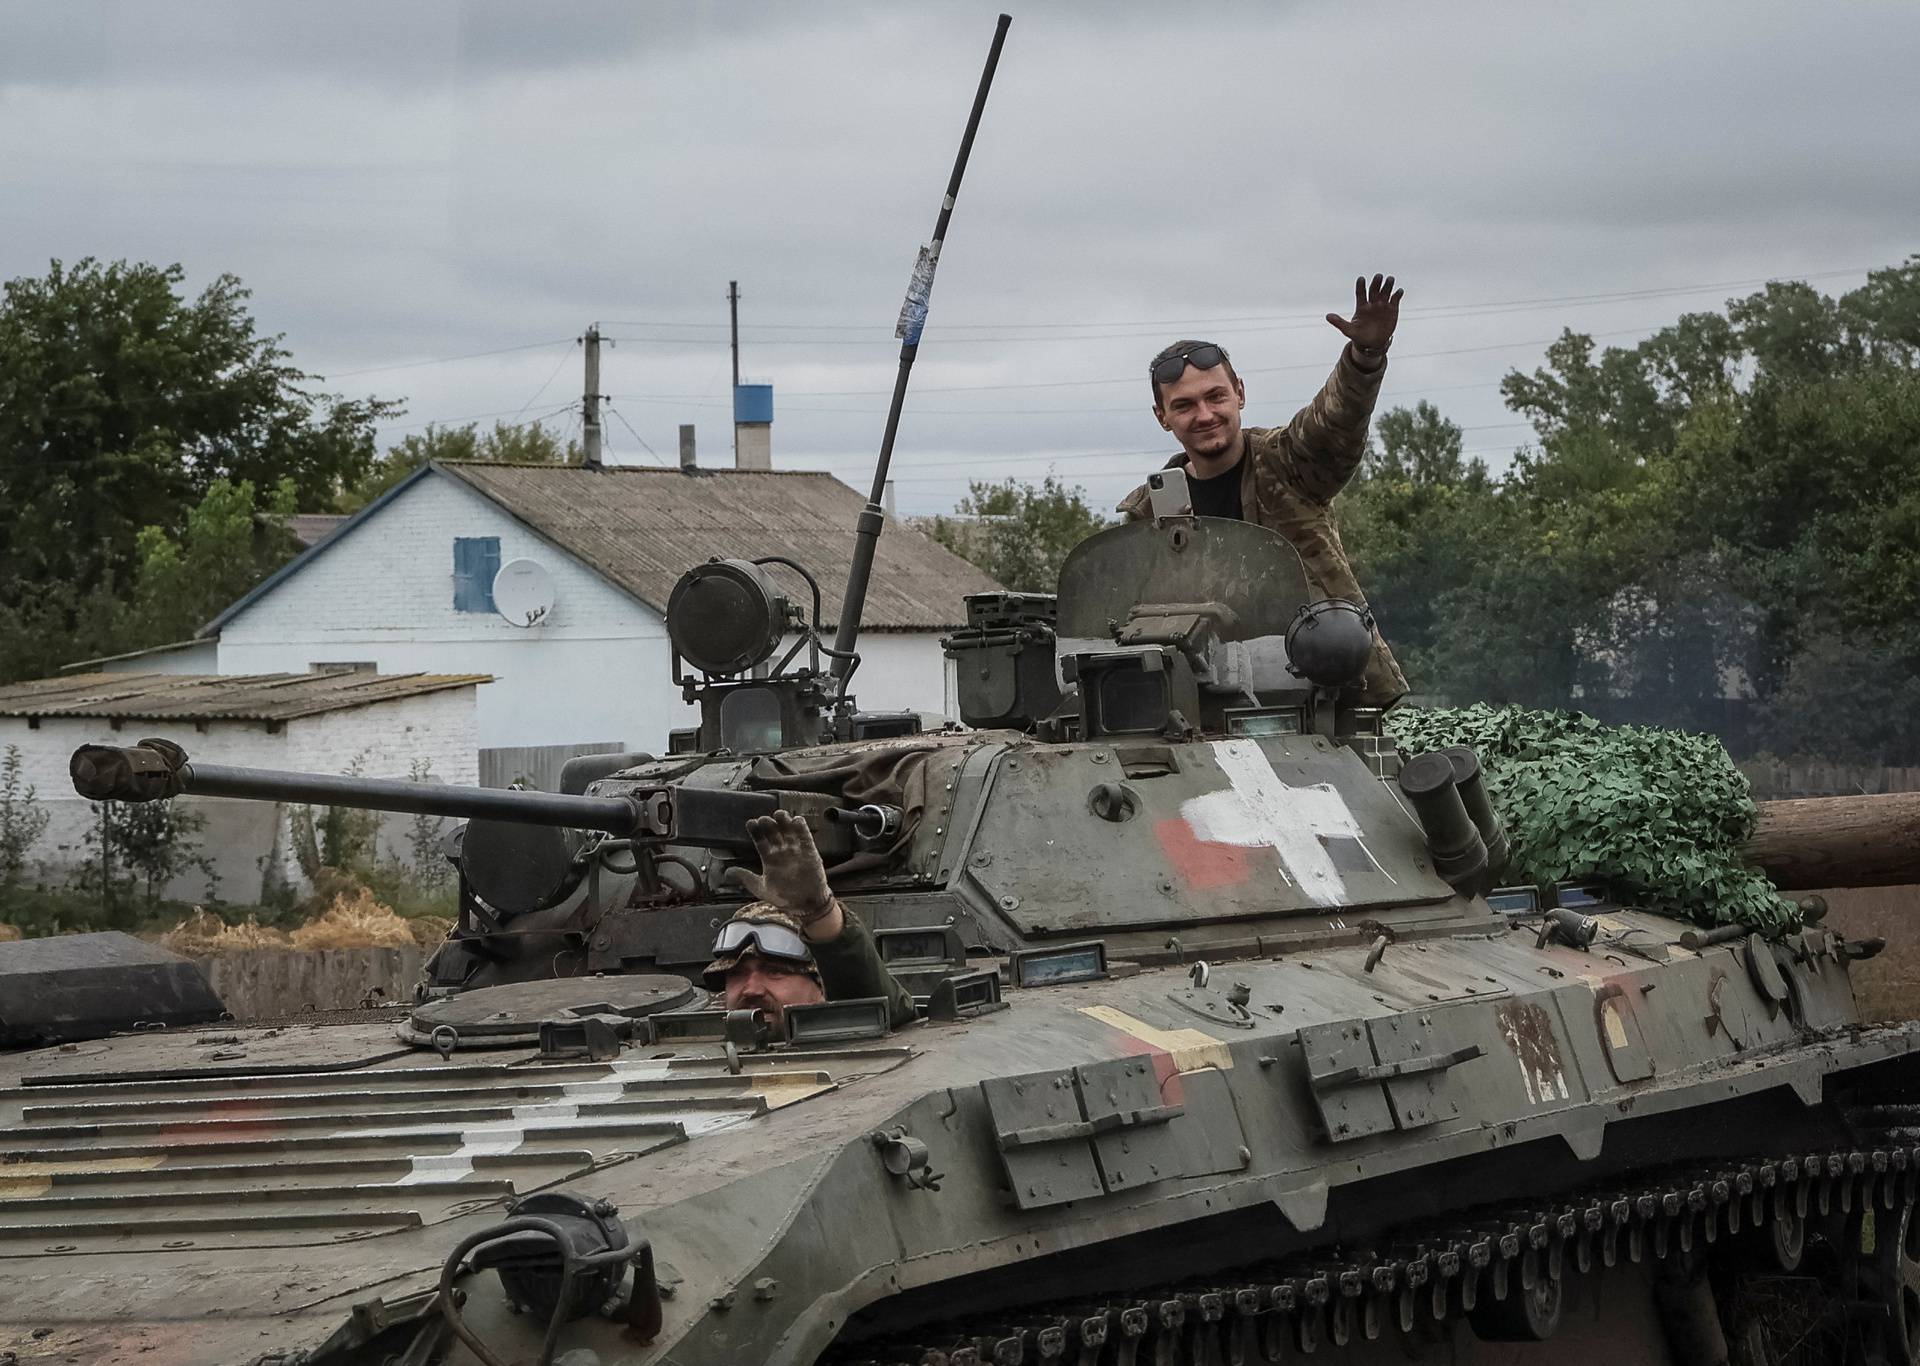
{"points": [[641, 528], [217, 697]]}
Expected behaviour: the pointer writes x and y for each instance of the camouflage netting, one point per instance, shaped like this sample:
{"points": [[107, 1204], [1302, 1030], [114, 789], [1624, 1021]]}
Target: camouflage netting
{"points": [[1660, 814]]}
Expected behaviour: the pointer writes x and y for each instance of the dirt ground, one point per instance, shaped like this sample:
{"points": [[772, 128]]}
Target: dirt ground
{"points": [[1889, 986]]}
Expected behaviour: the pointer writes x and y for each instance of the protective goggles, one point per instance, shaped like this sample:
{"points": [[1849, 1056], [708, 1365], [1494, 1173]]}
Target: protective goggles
{"points": [[773, 941], [1202, 357]]}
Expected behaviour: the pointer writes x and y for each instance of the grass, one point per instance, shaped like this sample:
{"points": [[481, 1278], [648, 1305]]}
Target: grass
{"points": [[384, 900]]}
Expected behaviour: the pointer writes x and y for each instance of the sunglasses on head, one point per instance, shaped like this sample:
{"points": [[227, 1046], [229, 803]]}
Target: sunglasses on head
{"points": [[773, 941], [1202, 357]]}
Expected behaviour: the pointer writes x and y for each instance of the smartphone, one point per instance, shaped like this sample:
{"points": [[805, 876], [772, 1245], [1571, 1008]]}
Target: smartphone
{"points": [[1167, 494]]}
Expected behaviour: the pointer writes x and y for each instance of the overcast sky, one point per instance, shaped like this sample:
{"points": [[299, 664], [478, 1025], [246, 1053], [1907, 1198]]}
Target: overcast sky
{"points": [[400, 184]]}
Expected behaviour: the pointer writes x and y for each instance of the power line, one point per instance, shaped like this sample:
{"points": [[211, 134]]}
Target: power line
{"points": [[1162, 451], [565, 356], [701, 401], [440, 360], [1134, 472], [476, 417], [1461, 309], [636, 435], [1135, 379]]}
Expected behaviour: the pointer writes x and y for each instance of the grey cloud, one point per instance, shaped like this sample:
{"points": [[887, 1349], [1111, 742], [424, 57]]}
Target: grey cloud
{"points": [[404, 182]]}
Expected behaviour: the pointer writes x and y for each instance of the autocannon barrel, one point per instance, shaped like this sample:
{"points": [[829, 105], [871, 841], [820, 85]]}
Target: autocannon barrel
{"points": [[154, 770]]}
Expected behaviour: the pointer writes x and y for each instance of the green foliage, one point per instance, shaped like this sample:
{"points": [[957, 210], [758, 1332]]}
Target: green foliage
{"points": [[1019, 533], [1729, 509], [122, 404], [1419, 447], [342, 844], [135, 849], [339, 837], [35, 910], [183, 580], [1660, 814], [22, 819], [527, 444]]}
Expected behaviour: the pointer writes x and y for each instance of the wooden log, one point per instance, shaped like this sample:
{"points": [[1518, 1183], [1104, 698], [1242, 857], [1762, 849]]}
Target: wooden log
{"points": [[1867, 841]]}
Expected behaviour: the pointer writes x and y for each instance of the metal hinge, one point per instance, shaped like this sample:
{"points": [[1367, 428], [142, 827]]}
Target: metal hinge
{"points": [[1409, 1067], [1087, 1128]]}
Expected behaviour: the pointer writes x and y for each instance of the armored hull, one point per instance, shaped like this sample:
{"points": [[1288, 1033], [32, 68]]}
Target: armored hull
{"points": [[1228, 1056], [1269, 1149]]}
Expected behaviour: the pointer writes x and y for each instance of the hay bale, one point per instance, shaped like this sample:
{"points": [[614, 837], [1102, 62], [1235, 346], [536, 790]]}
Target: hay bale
{"points": [[8, 932], [203, 933], [355, 921], [430, 931]]}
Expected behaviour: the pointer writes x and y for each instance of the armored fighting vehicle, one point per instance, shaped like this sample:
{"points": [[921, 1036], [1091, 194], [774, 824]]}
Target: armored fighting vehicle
{"points": [[1233, 1050]]}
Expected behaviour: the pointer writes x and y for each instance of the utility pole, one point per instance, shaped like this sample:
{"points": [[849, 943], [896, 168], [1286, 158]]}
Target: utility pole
{"points": [[590, 401], [733, 328]]}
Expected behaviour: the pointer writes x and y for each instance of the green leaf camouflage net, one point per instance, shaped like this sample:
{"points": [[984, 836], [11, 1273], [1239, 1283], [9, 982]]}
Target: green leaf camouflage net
{"points": [[1661, 815]]}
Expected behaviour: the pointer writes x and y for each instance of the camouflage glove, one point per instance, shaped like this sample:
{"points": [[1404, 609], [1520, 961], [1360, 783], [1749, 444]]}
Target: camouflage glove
{"points": [[791, 875], [1376, 313]]}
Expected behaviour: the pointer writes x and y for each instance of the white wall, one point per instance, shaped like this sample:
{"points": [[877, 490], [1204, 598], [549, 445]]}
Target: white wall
{"points": [[904, 671], [382, 592], [246, 841], [597, 669]]}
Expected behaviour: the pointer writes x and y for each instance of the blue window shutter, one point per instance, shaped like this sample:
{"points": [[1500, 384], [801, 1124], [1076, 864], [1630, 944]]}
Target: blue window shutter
{"points": [[476, 559]]}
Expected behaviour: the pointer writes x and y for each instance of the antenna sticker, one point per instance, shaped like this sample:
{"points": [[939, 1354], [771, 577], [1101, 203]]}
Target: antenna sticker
{"points": [[913, 309]]}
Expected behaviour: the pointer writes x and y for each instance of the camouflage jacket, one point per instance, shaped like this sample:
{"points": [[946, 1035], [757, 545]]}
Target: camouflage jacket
{"points": [[1288, 477], [851, 967]]}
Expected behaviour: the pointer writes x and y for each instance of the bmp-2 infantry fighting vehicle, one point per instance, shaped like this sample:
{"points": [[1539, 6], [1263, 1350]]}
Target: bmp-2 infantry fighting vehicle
{"points": [[1229, 1054], [1231, 1050]]}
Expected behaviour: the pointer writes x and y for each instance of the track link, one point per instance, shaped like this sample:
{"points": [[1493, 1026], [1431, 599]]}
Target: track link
{"points": [[1501, 1265]]}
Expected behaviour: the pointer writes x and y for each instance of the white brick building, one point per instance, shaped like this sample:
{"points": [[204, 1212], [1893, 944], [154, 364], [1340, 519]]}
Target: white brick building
{"points": [[406, 585], [388, 726]]}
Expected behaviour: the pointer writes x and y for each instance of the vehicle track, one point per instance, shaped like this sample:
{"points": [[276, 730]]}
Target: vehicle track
{"points": [[1501, 1267]]}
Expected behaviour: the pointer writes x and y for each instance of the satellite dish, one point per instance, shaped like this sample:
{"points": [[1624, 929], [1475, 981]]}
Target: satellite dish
{"points": [[523, 592]]}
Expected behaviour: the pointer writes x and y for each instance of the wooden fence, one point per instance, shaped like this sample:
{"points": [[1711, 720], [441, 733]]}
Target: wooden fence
{"points": [[1812, 778], [538, 766]]}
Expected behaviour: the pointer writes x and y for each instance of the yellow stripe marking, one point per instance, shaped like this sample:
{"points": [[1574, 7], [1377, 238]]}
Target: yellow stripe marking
{"points": [[781, 1091], [1192, 1049], [25, 1180]]}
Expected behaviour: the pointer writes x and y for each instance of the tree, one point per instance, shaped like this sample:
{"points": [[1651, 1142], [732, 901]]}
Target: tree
{"points": [[1418, 521], [1019, 533], [1419, 445], [228, 545], [23, 820], [1728, 509], [122, 403], [525, 444], [142, 846]]}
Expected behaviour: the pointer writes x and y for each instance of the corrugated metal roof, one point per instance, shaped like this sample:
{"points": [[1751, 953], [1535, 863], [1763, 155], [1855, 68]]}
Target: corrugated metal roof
{"points": [[310, 528], [218, 697], [644, 528]]}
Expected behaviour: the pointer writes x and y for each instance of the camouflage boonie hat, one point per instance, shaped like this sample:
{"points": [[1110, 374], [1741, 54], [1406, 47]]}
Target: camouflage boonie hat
{"points": [[757, 913]]}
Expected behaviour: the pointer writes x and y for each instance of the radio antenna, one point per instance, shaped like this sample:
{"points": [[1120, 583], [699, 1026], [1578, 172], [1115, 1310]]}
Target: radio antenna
{"points": [[913, 317]]}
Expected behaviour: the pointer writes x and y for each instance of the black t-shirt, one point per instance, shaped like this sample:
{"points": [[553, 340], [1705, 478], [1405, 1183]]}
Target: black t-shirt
{"points": [[1218, 496]]}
